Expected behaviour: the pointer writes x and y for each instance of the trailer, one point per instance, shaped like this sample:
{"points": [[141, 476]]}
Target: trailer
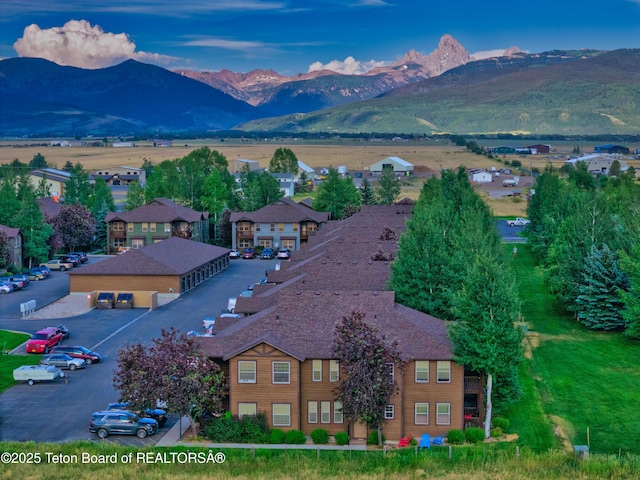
{"points": [[37, 373]]}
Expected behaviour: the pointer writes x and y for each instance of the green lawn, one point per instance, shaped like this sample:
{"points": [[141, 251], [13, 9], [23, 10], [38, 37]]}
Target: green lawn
{"points": [[9, 341], [590, 380]]}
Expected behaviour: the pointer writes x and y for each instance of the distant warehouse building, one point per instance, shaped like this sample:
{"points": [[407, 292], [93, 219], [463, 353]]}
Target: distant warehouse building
{"points": [[400, 166], [611, 149]]}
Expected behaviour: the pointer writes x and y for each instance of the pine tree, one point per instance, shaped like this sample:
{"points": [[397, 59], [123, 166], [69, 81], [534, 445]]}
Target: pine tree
{"points": [[388, 187], [630, 264], [367, 195], [600, 307]]}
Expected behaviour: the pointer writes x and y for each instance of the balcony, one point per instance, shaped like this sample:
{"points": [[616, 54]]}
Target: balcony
{"points": [[244, 234], [118, 234], [472, 385]]}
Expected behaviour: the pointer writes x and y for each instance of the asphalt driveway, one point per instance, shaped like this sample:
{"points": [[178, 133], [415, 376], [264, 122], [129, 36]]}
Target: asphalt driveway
{"points": [[59, 411]]}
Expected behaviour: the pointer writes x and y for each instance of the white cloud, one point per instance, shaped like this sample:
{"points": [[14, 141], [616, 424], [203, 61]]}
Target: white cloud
{"points": [[499, 52], [350, 66], [79, 44]]}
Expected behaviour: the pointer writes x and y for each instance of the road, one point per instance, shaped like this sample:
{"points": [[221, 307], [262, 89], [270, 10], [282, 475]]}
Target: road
{"points": [[59, 411], [510, 234]]}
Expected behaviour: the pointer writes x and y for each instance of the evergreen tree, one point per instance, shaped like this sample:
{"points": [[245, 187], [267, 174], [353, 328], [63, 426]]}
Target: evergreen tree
{"points": [[302, 185], [336, 195], [8, 200], [367, 195], [388, 187], [615, 168], [38, 161], [101, 228], [4, 250], [134, 197], [215, 197], [68, 166], [43, 190], [630, 264], [484, 337], [35, 230], [283, 161], [599, 304]]}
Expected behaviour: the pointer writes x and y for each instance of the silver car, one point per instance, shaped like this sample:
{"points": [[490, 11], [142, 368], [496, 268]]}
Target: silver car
{"points": [[63, 361]]}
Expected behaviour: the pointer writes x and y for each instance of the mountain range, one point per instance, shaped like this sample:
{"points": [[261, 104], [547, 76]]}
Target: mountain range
{"points": [[447, 91]]}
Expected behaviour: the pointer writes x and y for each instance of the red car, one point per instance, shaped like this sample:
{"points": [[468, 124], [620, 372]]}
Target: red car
{"points": [[44, 340], [248, 253]]}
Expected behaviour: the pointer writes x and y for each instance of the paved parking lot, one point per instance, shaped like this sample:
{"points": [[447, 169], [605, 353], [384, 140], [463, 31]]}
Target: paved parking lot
{"points": [[59, 411]]}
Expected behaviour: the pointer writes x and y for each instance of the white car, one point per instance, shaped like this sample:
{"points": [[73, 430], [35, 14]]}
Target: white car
{"points": [[284, 253], [6, 288], [234, 253]]}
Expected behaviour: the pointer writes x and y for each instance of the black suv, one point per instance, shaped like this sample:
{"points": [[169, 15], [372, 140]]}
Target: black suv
{"points": [[81, 255], [121, 422], [72, 259]]}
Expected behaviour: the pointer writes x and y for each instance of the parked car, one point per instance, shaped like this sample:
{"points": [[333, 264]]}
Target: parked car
{"points": [[234, 253], [45, 270], [17, 284], [36, 274], [21, 277], [57, 264], [77, 351], [44, 340], [157, 414], [6, 288], [248, 253], [64, 331], [518, 222], [81, 255], [284, 253], [72, 259], [111, 422], [267, 254], [63, 361]]}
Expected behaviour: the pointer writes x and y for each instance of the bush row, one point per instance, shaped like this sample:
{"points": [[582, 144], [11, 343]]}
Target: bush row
{"points": [[254, 429]]}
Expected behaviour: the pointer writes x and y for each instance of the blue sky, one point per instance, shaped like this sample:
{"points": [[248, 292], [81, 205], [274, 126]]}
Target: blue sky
{"points": [[293, 36]]}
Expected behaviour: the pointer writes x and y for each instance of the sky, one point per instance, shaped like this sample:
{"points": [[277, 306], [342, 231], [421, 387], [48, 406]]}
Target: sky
{"points": [[298, 36]]}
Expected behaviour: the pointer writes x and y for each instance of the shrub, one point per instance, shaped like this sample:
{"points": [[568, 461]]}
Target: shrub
{"points": [[276, 436], [500, 422], [455, 437], [231, 429], [373, 438], [342, 438], [474, 434], [320, 436], [295, 437], [496, 432]]}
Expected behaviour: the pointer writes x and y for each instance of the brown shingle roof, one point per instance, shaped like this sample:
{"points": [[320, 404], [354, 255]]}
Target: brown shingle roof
{"points": [[302, 324], [49, 207], [173, 256], [281, 211], [10, 232], [160, 210]]}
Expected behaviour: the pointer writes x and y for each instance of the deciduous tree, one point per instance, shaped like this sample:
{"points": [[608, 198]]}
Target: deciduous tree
{"points": [[172, 371], [134, 197], [283, 161], [77, 188], [337, 195], [76, 226], [366, 359]]}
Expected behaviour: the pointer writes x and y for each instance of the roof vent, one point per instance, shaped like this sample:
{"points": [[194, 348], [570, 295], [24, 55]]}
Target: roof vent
{"points": [[298, 292], [317, 292], [336, 292], [355, 262], [356, 293]]}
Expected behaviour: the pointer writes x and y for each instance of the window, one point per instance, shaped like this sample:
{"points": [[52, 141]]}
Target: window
{"points": [[245, 244], [443, 413], [152, 226], [444, 372], [258, 227], [137, 243], [281, 227], [247, 409], [389, 412], [167, 227], [312, 227], [130, 227], [265, 243], [281, 414], [312, 415], [145, 227], [281, 372], [422, 371], [295, 227], [117, 226], [317, 371], [244, 227], [272, 227], [337, 412], [246, 371], [334, 370], [391, 371], [422, 414], [118, 242], [325, 412], [290, 244]]}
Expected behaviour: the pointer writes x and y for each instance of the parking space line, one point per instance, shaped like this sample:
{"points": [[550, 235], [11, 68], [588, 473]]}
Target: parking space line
{"points": [[119, 330]]}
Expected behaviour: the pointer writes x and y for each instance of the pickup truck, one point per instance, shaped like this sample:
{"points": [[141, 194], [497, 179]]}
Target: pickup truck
{"points": [[518, 222], [57, 264], [36, 373]]}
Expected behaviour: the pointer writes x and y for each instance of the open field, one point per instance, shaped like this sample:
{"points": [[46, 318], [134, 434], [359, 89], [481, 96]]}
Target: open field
{"points": [[429, 157]]}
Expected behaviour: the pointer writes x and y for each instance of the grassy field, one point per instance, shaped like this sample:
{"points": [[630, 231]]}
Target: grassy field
{"points": [[9, 341], [587, 382]]}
